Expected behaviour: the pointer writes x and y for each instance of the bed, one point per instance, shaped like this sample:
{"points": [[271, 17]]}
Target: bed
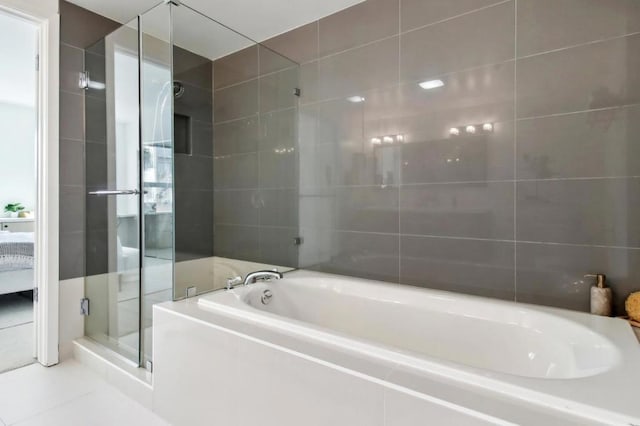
{"points": [[16, 261]]}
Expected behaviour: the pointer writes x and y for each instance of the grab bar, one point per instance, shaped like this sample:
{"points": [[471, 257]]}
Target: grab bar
{"points": [[116, 192]]}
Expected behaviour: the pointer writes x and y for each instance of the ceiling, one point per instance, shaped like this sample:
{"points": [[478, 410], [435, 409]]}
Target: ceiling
{"points": [[257, 19]]}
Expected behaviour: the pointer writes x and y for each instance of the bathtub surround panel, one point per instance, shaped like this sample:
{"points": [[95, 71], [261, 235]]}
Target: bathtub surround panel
{"points": [[389, 373], [557, 85]]}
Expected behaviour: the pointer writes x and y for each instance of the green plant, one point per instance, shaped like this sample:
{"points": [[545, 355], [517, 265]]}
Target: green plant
{"points": [[13, 207]]}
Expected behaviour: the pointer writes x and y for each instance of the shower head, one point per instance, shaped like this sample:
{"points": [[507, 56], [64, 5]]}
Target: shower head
{"points": [[178, 89]]}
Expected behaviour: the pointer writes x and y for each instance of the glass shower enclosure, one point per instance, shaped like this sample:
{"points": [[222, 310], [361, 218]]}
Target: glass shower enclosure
{"points": [[155, 119]]}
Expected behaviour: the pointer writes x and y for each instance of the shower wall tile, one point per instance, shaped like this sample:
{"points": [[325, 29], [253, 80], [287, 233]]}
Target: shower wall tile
{"points": [[97, 251], [278, 130], [71, 116], [192, 69], [236, 207], [586, 211], [237, 242], [71, 162], [339, 122], [590, 144], [357, 25], [474, 158], [551, 274], [236, 67], [320, 166], [237, 101], [362, 255], [598, 75], [96, 172], [545, 25], [309, 82], [300, 44], [436, 210], [358, 70], [279, 207], [471, 210], [71, 63], [72, 207], [479, 267], [97, 212], [418, 13], [235, 171], [80, 27], [195, 103], [72, 254], [236, 137], [201, 138], [277, 90], [277, 246], [367, 209], [472, 40], [193, 172], [96, 119], [278, 169], [271, 61], [193, 224]]}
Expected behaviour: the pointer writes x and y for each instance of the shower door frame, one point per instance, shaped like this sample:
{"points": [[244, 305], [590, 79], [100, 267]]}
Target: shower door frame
{"points": [[46, 248]]}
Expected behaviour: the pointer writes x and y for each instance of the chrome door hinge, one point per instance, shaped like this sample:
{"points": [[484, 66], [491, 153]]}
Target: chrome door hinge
{"points": [[37, 62], [84, 307], [35, 294], [149, 366], [83, 80], [297, 92]]}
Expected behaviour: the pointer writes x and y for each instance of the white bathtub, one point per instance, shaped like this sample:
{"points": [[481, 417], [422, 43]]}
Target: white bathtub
{"points": [[420, 355]]}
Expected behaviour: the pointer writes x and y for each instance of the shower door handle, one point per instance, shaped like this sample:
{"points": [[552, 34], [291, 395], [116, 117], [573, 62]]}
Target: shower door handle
{"points": [[116, 192]]}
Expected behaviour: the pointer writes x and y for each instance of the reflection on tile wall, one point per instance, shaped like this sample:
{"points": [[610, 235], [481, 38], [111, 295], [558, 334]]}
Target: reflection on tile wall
{"points": [[79, 29], [548, 192], [255, 157], [193, 170]]}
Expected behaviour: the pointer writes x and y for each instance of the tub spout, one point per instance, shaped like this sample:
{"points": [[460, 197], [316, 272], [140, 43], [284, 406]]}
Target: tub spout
{"points": [[252, 277]]}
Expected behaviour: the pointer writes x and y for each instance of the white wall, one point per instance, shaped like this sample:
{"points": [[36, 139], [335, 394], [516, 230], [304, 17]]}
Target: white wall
{"points": [[17, 155], [18, 125]]}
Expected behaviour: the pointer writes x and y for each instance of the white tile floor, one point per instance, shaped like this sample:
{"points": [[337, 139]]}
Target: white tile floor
{"points": [[68, 394], [16, 331]]}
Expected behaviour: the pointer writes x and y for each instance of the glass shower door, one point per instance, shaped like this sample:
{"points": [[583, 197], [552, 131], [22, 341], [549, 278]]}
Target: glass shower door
{"points": [[113, 201]]}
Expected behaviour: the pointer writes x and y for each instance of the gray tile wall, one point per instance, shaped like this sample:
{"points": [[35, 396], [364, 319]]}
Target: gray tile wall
{"points": [[193, 172], [79, 29], [519, 213], [255, 157]]}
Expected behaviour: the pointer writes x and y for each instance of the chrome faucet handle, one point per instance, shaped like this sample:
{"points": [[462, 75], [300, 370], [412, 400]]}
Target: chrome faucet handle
{"points": [[262, 276], [232, 282]]}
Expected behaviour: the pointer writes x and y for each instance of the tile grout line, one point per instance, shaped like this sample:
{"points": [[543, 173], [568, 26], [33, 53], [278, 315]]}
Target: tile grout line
{"points": [[54, 407], [515, 153], [15, 325], [582, 111], [399, 159], [573, 46], [451, 18]]}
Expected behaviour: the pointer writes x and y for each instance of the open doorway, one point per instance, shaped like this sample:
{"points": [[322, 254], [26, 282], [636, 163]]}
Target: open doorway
{"points": [[18, 190]]}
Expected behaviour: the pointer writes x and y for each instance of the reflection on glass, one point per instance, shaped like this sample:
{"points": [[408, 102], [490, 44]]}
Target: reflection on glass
{"points": [[113, 246]]}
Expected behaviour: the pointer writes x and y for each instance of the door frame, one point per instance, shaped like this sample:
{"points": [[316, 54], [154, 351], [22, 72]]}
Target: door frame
{"points": [[46, 268]]}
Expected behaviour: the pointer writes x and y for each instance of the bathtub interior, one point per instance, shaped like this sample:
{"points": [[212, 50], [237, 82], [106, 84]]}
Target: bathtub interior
{"points": [[497, 336]]}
